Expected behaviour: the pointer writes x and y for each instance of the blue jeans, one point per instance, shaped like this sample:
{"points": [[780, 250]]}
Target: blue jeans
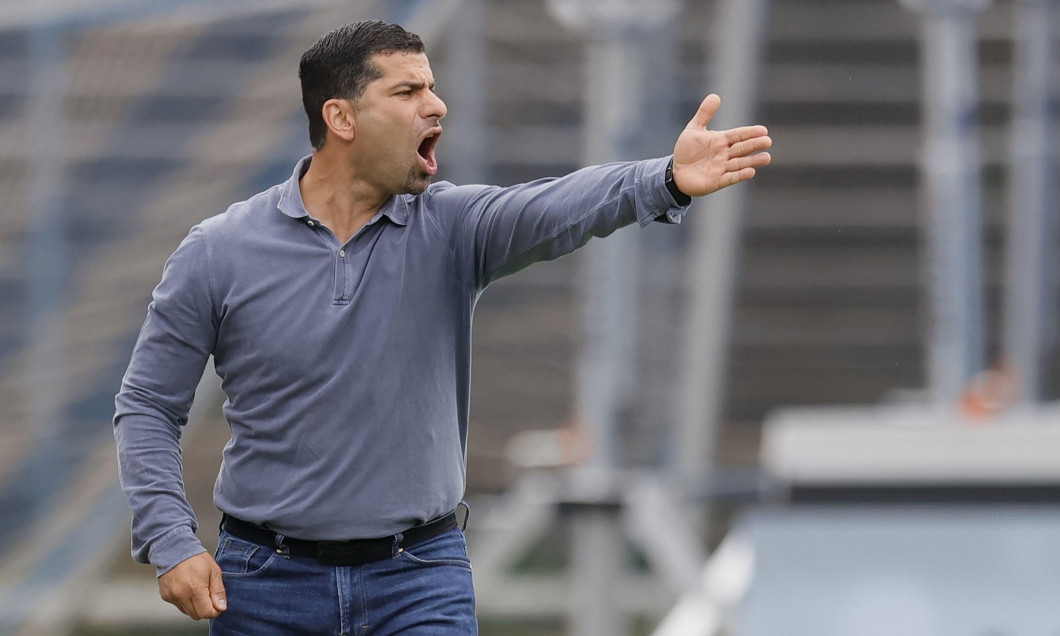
{"points": [[424, 590]]}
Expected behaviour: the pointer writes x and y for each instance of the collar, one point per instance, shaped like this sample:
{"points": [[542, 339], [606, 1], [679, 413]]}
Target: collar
{"points": [[291, 204]]}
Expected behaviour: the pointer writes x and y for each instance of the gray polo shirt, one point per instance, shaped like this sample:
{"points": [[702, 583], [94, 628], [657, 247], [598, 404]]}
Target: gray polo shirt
{"points": [[346, 366]]}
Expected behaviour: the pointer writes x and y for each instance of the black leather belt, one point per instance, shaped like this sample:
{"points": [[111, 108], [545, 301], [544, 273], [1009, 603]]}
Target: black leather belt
{"points": [[352, 552]]}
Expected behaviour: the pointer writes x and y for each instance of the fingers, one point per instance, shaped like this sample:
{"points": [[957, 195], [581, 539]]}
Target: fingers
{"points": [[202, 605], [707, 109], [748, 154], [737, 164], [750, 146], [733, 178], [195, 587], [744, 133], [217, 590]]}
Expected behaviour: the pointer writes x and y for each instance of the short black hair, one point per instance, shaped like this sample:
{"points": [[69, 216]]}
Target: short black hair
{"points": [[339, 66]]}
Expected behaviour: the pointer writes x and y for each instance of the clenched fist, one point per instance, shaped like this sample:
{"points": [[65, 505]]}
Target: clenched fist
{"points": [[195, 587]]}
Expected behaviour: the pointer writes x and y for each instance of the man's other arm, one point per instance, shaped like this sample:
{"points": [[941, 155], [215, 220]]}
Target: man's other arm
{"points": [[150, 411]]}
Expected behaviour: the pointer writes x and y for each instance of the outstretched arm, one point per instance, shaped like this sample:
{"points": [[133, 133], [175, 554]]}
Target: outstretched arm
{"points": [[706, 161], [501, 230]]}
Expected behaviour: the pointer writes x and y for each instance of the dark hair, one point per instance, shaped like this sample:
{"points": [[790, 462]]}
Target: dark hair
{"points": [[339, 66]]}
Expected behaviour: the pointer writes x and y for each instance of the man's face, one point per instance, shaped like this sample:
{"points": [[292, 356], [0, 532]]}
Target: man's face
{"points": [[397, 124]]}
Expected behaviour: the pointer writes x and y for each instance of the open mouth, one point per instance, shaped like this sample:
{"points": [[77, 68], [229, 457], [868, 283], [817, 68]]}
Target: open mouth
{"points": [[426, 151]]}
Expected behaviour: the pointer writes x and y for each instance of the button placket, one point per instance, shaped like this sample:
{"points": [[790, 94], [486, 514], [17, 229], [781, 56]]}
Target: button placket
{"points": [[340, 297]]}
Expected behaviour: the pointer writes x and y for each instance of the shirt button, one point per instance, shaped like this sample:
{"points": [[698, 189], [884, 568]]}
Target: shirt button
{"points": [[342, 253], [311, 224]]}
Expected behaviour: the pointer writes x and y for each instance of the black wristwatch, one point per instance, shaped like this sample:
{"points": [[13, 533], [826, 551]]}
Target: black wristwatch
{"points": [[681, 198]]}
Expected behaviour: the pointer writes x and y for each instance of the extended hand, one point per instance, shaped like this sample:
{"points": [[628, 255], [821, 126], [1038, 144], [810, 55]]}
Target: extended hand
{"points": [[195, 587], [708, 160]]}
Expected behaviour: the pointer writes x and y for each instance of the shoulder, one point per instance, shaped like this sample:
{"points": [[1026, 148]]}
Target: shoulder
{"points": [[445, 199], [244, 216]]}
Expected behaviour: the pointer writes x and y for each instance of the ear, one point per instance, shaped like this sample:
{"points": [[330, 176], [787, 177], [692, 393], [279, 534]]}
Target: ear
{"points": [[338, 117]]}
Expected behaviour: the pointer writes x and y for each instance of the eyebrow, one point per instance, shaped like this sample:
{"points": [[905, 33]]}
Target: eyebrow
{"points": [[413, 85]]}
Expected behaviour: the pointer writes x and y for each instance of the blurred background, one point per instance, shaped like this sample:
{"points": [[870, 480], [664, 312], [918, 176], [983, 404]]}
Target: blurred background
{"points": [[824, 404]]}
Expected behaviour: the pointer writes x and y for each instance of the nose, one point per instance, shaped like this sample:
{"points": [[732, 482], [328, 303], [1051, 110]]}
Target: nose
{"points": [[435, 107]]}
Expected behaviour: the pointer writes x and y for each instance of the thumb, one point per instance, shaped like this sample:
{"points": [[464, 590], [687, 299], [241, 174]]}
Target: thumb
{"points": [[707, 108], [217, 590]]}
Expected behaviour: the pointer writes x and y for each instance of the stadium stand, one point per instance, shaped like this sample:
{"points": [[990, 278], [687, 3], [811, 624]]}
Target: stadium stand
{"points": [[168, 123]]}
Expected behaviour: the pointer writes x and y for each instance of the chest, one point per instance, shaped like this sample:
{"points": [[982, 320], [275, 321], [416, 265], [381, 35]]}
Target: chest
{"points": [[299, 308]]}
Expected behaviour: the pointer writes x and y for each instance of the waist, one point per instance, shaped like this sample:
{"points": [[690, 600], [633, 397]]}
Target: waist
{"points": [[351, 552]]}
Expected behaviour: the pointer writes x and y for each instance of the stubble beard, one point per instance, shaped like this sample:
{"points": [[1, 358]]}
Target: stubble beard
{"points": [[417, 181]]}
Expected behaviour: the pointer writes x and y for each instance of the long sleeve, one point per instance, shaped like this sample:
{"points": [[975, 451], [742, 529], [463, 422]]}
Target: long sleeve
{"points": [[503, 230], [157, 391]]}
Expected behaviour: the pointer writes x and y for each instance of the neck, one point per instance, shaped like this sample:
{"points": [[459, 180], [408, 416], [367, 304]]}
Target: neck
{"points": [[334, 194]]}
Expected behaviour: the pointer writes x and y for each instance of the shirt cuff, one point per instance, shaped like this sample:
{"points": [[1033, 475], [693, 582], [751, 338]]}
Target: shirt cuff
{"points": [[177, 545], [662, 207]]}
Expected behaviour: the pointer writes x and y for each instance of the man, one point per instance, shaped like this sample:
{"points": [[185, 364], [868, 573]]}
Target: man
{"points": [[338, 306]]}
